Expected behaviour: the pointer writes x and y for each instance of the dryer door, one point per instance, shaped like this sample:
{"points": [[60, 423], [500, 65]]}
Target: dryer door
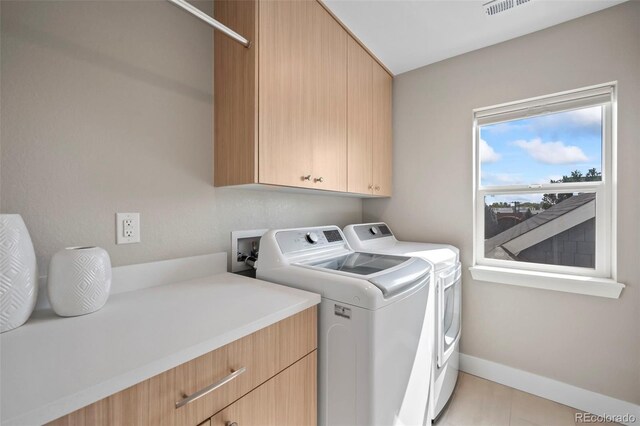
{"points": [[449, 288]]}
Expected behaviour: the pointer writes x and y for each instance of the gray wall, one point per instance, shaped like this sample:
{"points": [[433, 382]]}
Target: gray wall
{"points": [[590, 342], [106, 107]]}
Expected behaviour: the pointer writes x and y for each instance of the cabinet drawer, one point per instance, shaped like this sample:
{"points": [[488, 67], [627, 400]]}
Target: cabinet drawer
{"points": [[262, 354], [147, 403], [288, 399]]}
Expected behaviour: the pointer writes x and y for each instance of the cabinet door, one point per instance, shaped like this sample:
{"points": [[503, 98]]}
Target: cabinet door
{"points": [[235, 80], [382, 133], [288, 399], [148, 403], [302, 96], [360, 117], [330, 109]]}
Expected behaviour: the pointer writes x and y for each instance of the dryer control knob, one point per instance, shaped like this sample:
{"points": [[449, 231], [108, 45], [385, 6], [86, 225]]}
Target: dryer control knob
{"points": [[312, 237], [373, 230]]}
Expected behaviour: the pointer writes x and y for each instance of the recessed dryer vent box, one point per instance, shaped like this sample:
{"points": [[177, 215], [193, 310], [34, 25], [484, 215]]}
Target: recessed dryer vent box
{"points": [[242, 243]]}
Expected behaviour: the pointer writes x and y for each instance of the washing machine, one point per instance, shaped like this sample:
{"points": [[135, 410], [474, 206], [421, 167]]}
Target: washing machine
{"points": [[374, 335], [378, 238]]}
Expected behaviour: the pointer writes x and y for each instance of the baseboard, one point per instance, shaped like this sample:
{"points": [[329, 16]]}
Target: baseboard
{"points": [[553, 390]]}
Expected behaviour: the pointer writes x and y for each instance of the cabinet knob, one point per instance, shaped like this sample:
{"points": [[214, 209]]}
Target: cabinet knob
{"points": [[320, 179], [377, 187], [307, 177]]}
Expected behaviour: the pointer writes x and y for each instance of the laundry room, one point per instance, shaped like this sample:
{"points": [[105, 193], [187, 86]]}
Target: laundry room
{"points": [[319, 212]]}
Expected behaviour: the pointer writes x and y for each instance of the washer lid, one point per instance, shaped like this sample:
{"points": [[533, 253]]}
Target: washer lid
{"points": [[403, 272], [360, 263], [400, 279]]}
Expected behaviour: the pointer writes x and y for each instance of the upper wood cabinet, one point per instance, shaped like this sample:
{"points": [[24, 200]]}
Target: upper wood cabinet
{"points": [[369, 124], [303, 96], [382, 133], [360, 120], [286, 108]]}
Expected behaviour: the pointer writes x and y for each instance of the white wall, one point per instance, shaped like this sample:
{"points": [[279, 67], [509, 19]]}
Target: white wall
{"points": [[590, 342], [106, 107]]}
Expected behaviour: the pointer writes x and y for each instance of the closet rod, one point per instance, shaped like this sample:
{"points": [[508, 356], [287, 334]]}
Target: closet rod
{"points": [[209, 20]]}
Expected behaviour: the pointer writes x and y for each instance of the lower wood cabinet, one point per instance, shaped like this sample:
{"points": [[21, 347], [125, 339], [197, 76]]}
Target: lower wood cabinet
{"points": [[288, 399], [279, 360]]}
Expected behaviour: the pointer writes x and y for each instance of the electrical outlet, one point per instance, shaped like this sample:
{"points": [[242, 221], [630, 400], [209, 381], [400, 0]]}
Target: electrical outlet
{"points": [[127, 228], [242, 244]]}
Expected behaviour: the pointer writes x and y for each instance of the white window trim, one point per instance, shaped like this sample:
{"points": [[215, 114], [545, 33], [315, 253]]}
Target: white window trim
{"points": [[591, 286], [599, 282]]}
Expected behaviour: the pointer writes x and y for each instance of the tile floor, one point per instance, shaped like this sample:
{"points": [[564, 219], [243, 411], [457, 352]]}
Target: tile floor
{"points": [[480, 402]]}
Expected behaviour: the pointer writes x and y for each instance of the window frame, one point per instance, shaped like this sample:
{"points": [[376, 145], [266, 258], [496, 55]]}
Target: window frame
{"points": [[605, 190]]}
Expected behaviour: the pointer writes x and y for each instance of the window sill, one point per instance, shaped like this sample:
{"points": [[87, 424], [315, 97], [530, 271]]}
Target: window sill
{"points": [[602, 287]]}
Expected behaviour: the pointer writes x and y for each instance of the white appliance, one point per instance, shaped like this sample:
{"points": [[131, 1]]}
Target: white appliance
{"points": [[378, 238], [375, 340]]}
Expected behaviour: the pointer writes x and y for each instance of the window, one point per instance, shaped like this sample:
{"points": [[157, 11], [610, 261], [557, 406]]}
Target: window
{"points": [[544, 190]]}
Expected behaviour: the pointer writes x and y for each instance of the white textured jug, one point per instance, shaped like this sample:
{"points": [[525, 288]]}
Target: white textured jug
{"points": [[18, 273], [79, 280]]}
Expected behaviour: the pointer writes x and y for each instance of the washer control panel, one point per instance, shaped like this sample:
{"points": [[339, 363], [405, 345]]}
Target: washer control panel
{"points": [[312, 237], [372, 231], [297, 240]]}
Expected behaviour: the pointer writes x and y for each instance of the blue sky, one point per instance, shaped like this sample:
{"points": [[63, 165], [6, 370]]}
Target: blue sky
{"points": [[538, 149]]}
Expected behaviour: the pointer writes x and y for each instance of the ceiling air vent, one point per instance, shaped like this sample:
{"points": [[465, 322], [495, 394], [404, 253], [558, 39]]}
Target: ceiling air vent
{"points": [[497, 6]]}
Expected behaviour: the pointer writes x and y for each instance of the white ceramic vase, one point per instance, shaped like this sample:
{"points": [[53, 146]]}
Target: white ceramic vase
{"points": [[18, 273], [79, 280]]}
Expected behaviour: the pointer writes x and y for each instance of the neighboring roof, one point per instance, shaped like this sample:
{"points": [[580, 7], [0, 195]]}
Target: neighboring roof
{"points": [[538, 220]]}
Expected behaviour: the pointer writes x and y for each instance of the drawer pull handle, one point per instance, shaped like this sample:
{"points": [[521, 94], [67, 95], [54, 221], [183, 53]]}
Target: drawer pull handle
{"points": [[202, 392]]}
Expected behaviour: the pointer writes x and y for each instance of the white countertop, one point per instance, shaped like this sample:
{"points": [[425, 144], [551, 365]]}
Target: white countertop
{"points": [[52, 366]]}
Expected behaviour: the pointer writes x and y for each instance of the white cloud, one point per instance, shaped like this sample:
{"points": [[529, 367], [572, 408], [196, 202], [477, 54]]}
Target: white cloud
{"points": [[585, 119], [552, 152], [548, 179], [586, 116], [505, 127], [487, 153], [502, 178]]}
